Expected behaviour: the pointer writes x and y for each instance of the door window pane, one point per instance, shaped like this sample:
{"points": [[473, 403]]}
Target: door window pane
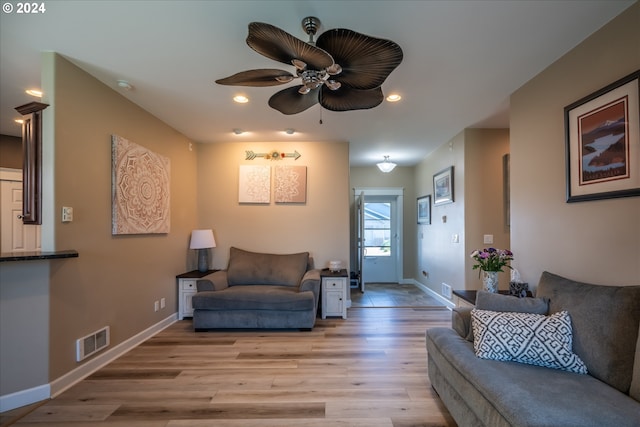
{"points": [[377, 229]]}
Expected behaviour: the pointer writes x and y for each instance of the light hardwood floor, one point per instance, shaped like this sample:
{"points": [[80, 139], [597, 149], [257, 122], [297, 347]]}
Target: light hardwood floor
{"points": [[369, 370]]}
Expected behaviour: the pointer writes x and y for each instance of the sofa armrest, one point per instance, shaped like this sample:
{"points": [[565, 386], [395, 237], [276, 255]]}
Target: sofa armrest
{"points": [[310, 281], [216, 281], [461, 322]]}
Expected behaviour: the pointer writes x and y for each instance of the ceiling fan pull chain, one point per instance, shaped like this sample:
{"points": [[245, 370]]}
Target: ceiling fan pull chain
{"points": [[320, 104]]}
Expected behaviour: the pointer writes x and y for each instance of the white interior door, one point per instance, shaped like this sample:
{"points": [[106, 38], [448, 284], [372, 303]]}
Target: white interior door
{"points": [[14, 235]]}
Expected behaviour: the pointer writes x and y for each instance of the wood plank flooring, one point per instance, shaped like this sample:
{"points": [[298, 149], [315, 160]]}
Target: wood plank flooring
{"points": [[369, 370]]}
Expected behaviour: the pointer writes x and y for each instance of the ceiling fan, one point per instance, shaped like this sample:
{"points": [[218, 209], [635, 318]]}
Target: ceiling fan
{"points": [[343, 70]]}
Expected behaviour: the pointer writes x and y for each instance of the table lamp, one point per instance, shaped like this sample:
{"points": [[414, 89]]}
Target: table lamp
{"points": [[202, 240]]}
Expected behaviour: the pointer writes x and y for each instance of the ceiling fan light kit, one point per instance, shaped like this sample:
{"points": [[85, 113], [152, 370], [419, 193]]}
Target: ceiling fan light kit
{"points": [[342, 71]]}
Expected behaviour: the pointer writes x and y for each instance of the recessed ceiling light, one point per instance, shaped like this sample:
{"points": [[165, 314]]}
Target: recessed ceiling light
{"points": [[241, 99], [394, 97], [124, 85], [34, 92]]}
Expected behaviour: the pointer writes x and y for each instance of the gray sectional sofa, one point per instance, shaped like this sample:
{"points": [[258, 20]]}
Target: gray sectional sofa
{"points": [[259, 290], [603, 333]]}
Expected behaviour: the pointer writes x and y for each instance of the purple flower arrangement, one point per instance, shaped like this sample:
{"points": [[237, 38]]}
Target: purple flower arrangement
{"points": [[491, 259]]}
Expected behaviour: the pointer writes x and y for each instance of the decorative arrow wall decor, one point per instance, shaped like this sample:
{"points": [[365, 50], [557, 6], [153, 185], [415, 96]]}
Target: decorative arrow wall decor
{"points": [[273, 155]]}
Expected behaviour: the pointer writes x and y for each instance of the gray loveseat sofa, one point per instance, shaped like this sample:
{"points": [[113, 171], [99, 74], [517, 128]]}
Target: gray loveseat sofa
{"points": [[604, 328], [259, 290]]}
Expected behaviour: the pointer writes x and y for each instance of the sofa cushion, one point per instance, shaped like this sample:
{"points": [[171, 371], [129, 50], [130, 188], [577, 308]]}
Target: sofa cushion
{"points": [[508, 303], [252, 268], [255, 297], [498, 302], [516, 394], [605, 323], [534, 339]]}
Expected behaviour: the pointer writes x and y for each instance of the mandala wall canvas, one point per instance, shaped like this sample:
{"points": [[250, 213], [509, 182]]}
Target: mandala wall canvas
{"points": [[254, 184], [290, 184], [141, 181]]}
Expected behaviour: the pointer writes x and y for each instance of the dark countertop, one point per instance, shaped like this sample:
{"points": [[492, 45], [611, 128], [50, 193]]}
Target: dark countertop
{"points": [[38, 255]]}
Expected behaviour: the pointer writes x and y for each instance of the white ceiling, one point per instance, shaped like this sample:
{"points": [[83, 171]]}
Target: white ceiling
{"points": [[462, 60]]}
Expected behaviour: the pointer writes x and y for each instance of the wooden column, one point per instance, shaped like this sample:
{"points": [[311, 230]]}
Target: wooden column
{"points": [[32, 162]]}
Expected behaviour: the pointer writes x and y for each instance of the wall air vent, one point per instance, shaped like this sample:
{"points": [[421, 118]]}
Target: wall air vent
{"points": [[92, 343]]}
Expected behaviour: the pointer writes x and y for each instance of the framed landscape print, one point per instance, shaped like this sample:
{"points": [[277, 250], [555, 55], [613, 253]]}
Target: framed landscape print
{"points": [[424, 210], [443, 187], [602, 143]]}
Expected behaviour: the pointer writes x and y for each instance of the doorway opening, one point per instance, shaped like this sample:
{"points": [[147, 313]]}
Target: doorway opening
{"points": [[378, 235]]}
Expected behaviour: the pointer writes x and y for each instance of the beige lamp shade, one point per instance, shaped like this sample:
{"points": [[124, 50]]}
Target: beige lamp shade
{"points": [[202, 239]]}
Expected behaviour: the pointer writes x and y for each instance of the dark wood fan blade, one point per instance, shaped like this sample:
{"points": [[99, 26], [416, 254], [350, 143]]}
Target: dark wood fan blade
{"points": [[366, 61], [346, 98], [281, 46], [258, 78], [289, 101]]}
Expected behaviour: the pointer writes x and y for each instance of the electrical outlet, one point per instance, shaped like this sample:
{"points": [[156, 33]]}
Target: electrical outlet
{"points": [[163, 302], [446, 290], [156, 306]]}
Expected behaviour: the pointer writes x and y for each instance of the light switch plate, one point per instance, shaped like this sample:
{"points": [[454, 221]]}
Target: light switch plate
{"points": [[67, 214], [488, 239]]}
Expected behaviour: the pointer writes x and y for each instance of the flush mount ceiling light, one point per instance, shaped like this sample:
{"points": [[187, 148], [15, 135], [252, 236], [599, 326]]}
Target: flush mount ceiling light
{"points": [[241, 99], [124, 85], [386, 166], [34, 92], [394, 97]]}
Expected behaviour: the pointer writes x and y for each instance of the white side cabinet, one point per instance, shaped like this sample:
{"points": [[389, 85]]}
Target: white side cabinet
{"points": [[334, 293], [186, 290]]}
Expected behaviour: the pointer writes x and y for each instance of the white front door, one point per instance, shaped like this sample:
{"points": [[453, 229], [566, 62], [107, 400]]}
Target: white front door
{"points": [[380, 240], [14, 235]]}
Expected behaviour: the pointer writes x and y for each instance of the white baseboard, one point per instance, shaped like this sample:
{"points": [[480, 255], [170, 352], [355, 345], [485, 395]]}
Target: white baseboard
{"points": [[431, 292], [69, 379], [24, 397], [59, 385]]}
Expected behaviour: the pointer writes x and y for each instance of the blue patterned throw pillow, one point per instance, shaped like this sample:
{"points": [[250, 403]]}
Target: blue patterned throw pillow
{"points": [[533, 339]]}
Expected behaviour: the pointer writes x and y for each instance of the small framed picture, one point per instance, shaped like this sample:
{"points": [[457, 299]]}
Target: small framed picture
{"points": [[424, 209], [443, 187], [603, 143]]}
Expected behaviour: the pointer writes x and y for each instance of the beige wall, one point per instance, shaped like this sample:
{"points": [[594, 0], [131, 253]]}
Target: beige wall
{"points": [[438, 259], [10, 152], [595, 241], [400, 177], [116, 279], [476, 155], [484, 197], [320, 226]]}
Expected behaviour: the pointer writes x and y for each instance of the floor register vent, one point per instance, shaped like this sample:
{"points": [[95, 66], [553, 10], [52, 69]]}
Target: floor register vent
{"points": [[92, 343]]}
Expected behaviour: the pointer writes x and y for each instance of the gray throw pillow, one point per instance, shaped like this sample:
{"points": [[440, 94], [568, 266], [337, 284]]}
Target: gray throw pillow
{"points": [[605, 324], [508, 303]]}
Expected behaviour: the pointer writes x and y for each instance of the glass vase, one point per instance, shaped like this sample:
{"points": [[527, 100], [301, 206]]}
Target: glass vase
{"points": [[490, 281]]}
